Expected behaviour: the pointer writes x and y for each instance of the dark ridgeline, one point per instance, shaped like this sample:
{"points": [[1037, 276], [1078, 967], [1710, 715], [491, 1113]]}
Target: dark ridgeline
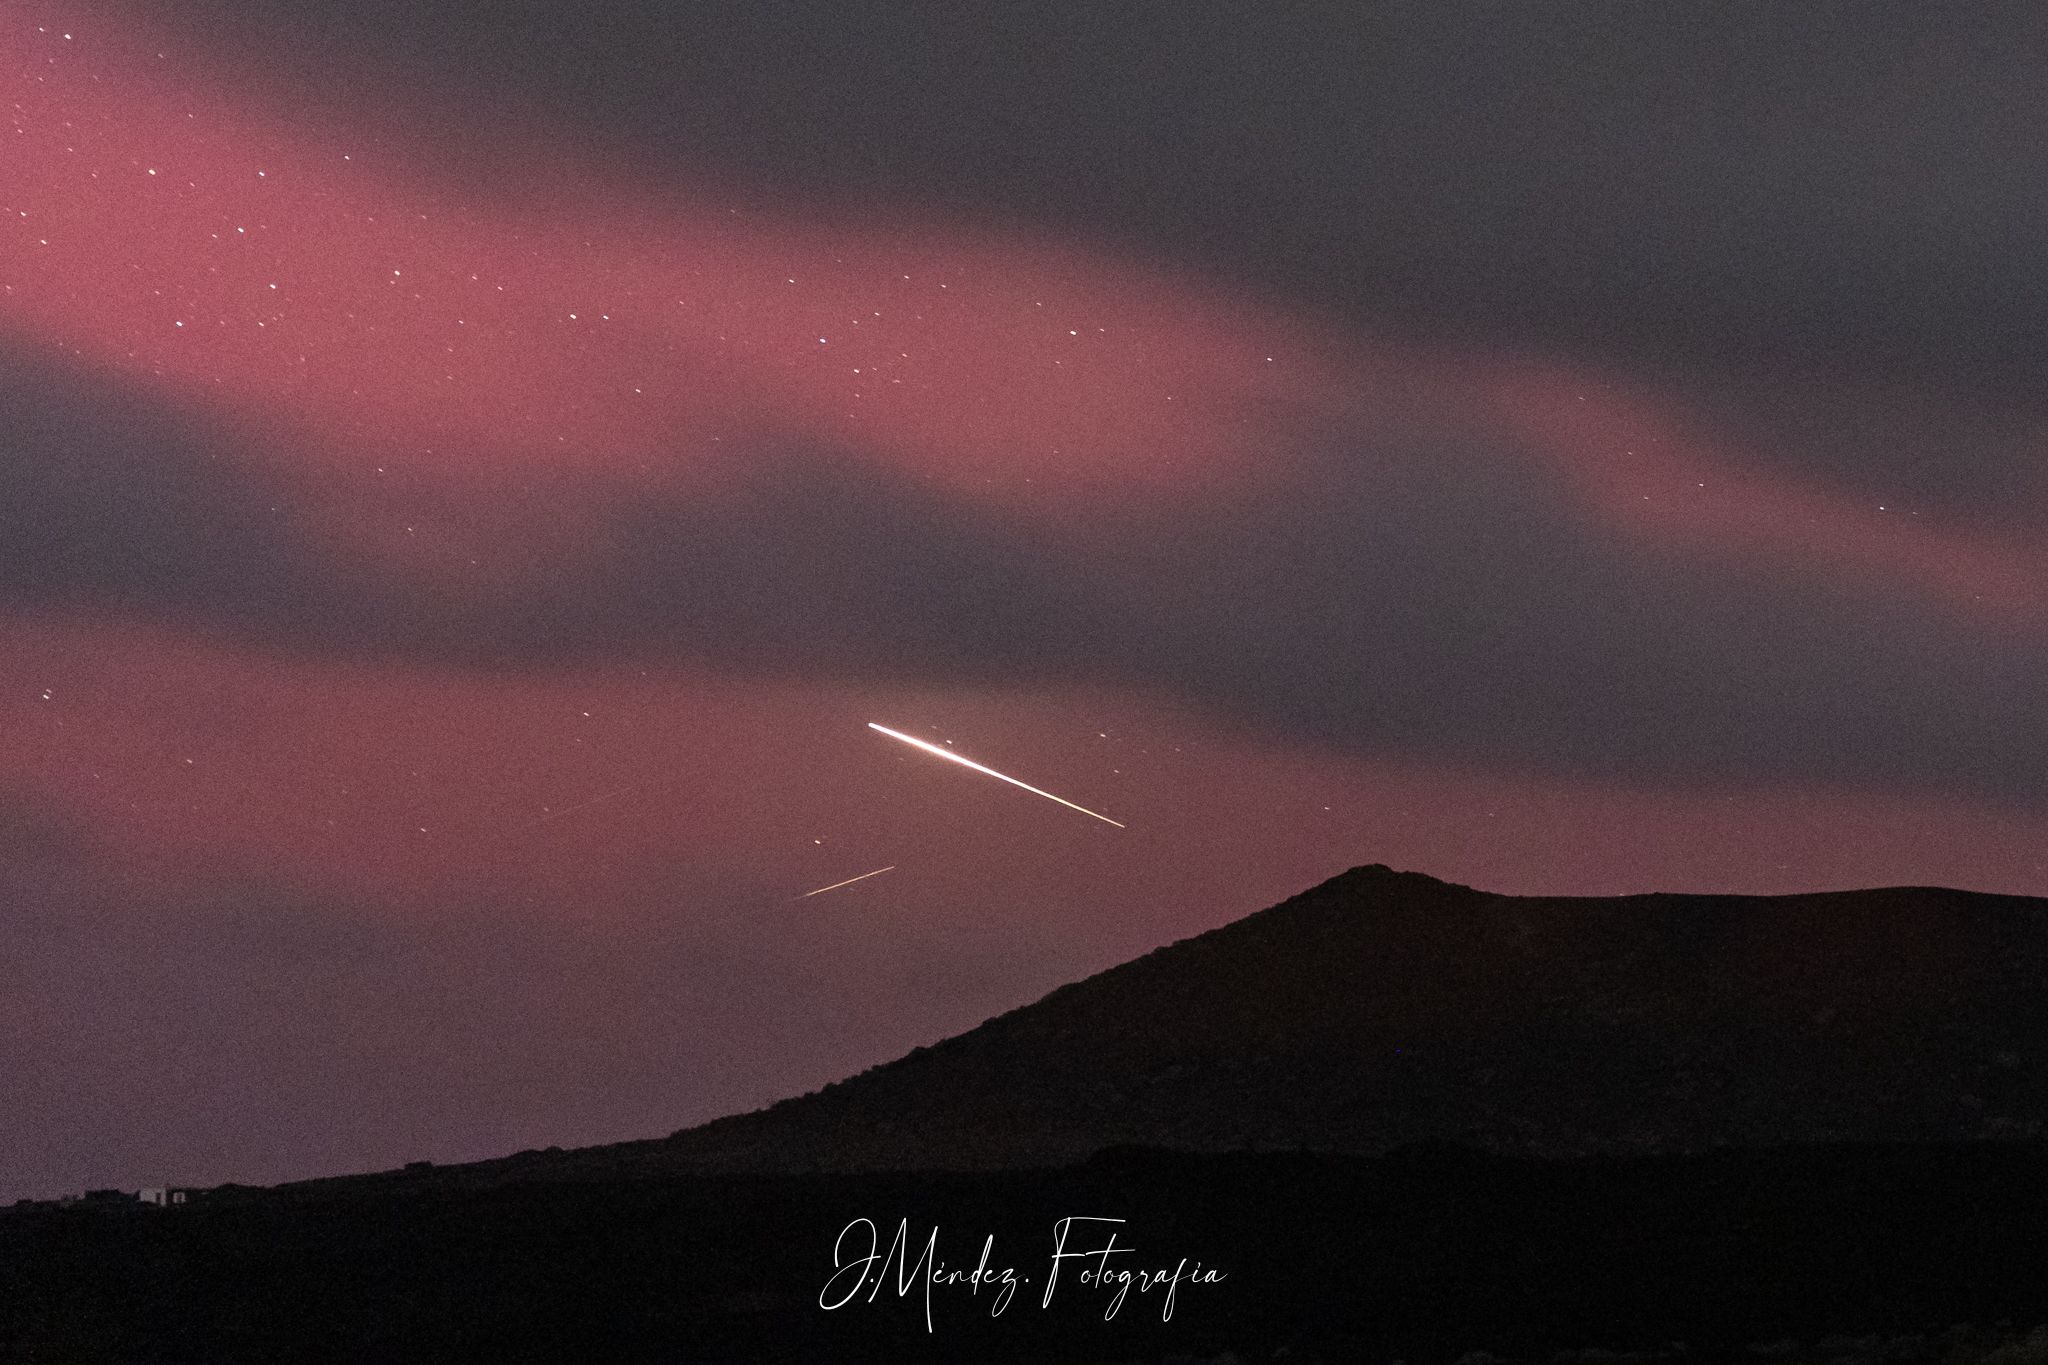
{"points": [[1383, 1008], [1866, 1066]]}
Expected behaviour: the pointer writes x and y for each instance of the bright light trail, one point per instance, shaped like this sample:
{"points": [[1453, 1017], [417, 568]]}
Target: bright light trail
{"points": [[848, 882], [970, 763]]}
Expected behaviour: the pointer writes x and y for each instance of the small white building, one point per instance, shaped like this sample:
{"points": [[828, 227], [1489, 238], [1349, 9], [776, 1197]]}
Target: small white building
{"points": [[161, 1198]]}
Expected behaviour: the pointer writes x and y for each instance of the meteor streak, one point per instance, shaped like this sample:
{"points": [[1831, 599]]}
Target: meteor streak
{"points": [[970, 763], [848, 882], [580, 805]]}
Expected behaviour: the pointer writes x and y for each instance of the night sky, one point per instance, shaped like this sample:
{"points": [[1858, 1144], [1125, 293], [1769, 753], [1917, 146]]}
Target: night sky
{"points": [[468, 480]]}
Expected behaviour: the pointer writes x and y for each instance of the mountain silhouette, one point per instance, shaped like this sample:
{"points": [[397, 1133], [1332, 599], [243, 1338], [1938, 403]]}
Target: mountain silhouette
{"points": [[1867, 1065], [1384, 1008]]}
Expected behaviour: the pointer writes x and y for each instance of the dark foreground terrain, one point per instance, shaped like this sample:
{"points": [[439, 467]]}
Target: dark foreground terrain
{"points": [[1843, 1253], [1773, 1130], [1385, 1008]]}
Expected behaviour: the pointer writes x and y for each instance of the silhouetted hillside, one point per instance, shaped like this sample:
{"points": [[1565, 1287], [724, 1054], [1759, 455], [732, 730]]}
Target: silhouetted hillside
{"points": [[1861, 1055], [1383, 1008]]}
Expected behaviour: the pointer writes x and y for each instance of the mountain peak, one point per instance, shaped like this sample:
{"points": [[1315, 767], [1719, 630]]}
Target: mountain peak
{"points": [[1379, 874], [1382, 1007]]}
